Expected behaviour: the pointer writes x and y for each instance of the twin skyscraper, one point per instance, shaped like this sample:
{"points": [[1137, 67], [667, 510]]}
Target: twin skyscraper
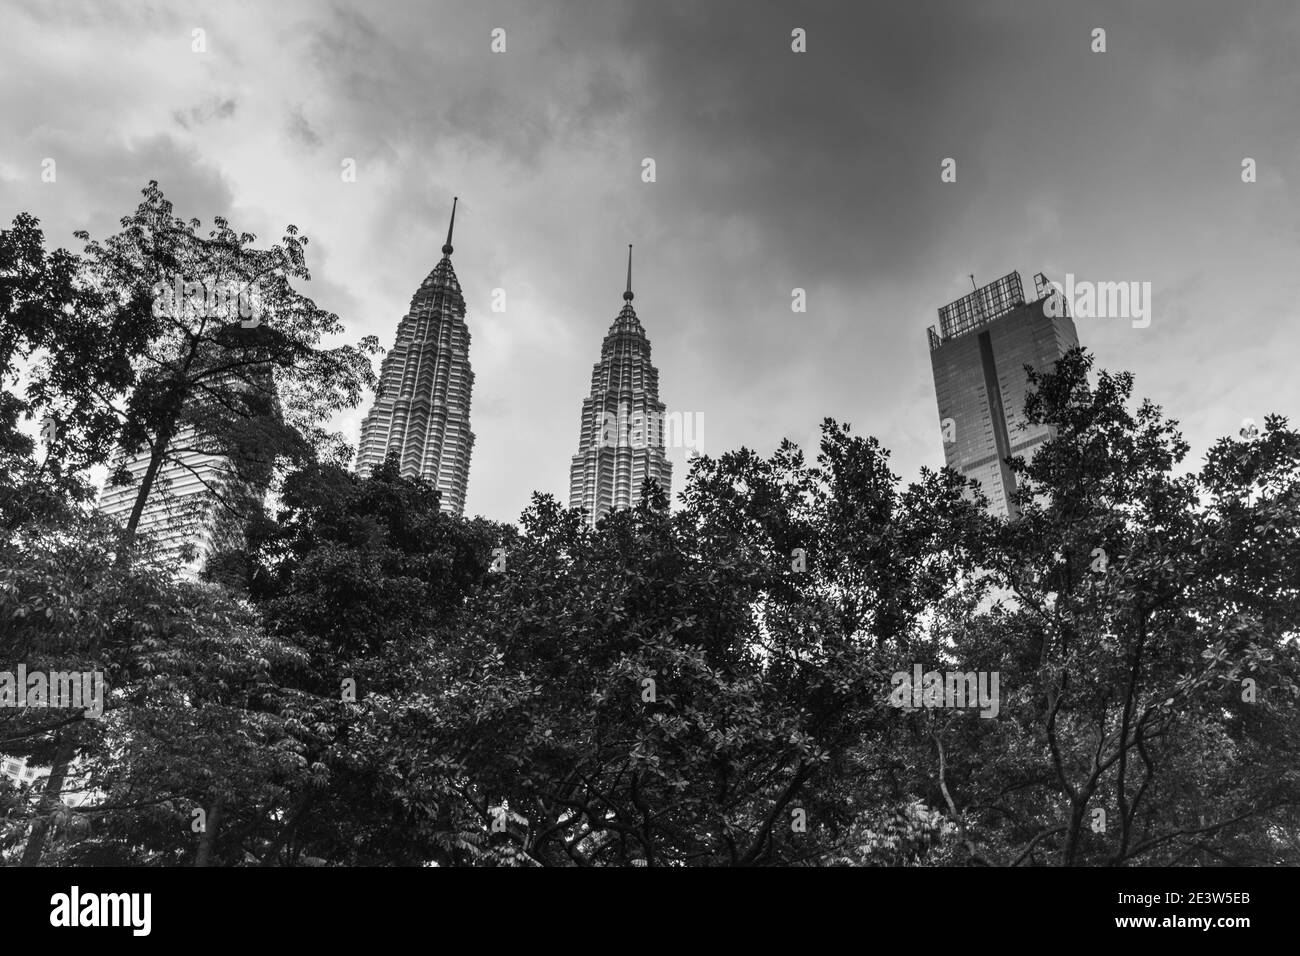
{"points": [[978, 355], [421, 410], [421, 413]]}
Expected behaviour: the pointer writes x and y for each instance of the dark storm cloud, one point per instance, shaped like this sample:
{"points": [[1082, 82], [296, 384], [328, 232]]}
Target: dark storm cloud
{"points": [[215, 109], [775, 170], [301, 132]]}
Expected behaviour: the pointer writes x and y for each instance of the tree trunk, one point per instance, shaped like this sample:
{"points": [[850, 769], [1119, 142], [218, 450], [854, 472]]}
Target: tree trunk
{"points": [[209, 835], [65, 751], [286, 832], [156, 459], [1078, 809]]}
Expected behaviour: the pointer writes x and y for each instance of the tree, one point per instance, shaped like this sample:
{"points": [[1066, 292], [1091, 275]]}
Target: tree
{"points": [[33, 286], [367, 577], [678, 689], [1131, 612], [366, 680], [161, 339]]}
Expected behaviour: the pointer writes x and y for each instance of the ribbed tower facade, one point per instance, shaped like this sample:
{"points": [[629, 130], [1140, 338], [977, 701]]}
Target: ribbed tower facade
{"points": [[421, 411], [621, 442]]}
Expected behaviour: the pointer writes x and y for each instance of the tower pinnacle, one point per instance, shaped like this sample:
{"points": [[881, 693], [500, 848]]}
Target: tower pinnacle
{"points": [[421, 412], [446, 249], [627, 296], [621, 444]]}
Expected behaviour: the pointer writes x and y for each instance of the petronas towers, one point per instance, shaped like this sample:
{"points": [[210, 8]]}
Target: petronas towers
{"points": [[421, 410], [621, 443]]}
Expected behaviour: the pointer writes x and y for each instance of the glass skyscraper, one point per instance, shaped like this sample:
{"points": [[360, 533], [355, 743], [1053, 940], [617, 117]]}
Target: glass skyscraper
{"points": [[978, 354], [213, 476], [190, 511]]}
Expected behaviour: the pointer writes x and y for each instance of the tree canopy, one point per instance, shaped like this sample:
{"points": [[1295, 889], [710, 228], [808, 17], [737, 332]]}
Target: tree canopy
{"points": [[360, 678]]}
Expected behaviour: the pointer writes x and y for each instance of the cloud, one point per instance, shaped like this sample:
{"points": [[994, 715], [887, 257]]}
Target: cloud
{"points": [[214, 109], [775, 170], [301, 132]]}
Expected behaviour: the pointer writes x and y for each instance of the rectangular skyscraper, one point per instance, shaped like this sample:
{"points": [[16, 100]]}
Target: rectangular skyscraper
{"points": [[978, 354]]}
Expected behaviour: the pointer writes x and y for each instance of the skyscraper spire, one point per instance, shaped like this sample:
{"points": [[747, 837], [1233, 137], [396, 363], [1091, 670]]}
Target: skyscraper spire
{"points": [[621, 438], [627, 296], [446, 249], [421, 411]]}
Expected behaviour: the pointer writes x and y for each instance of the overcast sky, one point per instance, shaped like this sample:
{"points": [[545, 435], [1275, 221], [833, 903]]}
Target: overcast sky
{"points": [[775, 170]]}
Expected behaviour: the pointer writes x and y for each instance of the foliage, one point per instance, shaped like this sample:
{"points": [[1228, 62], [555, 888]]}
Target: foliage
{"points": [[362, 679]]}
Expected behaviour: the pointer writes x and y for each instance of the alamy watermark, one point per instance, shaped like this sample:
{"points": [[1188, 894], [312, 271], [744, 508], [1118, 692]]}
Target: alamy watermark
{"points": [[71, 690], [75, 909], [629, 429], [214, 299], [1100, 300], [952, 689]]}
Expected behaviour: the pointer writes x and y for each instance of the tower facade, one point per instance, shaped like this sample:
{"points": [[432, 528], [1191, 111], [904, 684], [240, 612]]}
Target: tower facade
{"points": [[192, 509], [621, 439], [217, 467], [978, 354], [421, 410]]}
